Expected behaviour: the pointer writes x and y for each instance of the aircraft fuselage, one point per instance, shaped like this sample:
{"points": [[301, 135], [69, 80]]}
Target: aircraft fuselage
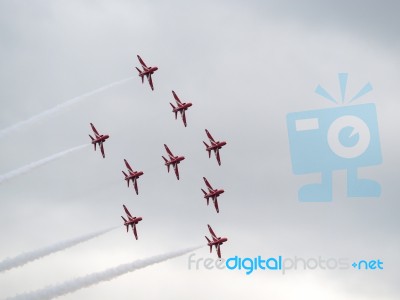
{"points": [[133, 221], [149, 71], [100, 139]]}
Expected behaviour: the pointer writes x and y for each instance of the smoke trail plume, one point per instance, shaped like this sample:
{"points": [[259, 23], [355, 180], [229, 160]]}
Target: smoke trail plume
{"points": [[38, 163], [23, 258], [60, 107], [95, 278]]}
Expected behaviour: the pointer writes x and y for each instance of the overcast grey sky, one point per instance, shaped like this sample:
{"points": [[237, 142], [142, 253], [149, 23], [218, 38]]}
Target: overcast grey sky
{"points": [[244, 65]]}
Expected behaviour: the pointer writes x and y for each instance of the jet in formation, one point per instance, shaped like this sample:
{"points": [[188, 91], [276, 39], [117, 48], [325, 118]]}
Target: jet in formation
{"points": [[180, 107], [132, 176], [147, 71], [100, 139], [216, 241], [212, 193], [173, 160], [215, 146], [132, 221]]}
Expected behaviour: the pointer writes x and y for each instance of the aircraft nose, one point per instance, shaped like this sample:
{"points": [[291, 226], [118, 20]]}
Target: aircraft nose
{"points": [[222, 191]]}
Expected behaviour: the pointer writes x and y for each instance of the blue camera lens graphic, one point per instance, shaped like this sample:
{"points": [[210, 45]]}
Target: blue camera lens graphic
{"points": [[347, 137], [325, 140]]}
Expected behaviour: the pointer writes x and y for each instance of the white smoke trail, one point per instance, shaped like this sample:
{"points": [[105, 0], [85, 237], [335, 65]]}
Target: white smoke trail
{"points": [[26, 257], [95, 278], [59, 107], [38, 163]]}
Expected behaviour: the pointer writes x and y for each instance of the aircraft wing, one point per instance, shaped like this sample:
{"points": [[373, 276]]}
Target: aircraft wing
{"points": [[183, 117], [177, 99], [135, 185], [102, 150], [168, 151], [216, 205], [217, 156], [127, 211], [207, 183], [210, 137], [150, 81], [134, 231], [141, 61], [212, 232], [219, 250], [176, 171], [94, 130], [128, 166]]}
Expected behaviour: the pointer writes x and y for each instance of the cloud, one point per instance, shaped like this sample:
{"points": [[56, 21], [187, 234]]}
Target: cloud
{"points": [[73, 285]]}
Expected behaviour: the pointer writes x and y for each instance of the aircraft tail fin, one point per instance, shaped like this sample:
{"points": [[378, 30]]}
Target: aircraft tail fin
{"points": [[176, 113], [140, 74], [209, 151], [166, 160], [126, 175], [208, 240], [94, 143], [127, 226], [205, 193]]}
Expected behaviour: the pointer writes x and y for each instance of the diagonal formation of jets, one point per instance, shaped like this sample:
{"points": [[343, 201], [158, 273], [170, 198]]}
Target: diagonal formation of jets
{"points": [[172, 161]]}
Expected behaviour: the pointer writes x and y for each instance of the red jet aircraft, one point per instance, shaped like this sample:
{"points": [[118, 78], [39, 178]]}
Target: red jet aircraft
{"points": [[181, 107], [212, 193], [132, 221], [215, 146], [147, 71], [100, 139], [173, 160], [217, 241], [133, 176]]}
